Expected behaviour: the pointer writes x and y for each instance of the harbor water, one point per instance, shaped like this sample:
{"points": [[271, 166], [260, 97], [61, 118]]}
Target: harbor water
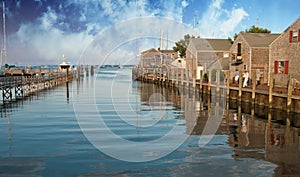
{"points": [[107, 125]]}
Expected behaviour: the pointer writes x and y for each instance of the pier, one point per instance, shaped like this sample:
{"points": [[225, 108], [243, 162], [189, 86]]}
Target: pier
{"points": [[17, 87], [218, 82], [18, 84]]}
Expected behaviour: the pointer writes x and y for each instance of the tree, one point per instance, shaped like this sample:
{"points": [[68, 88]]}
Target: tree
{"points": [[253, 29], [182, 45]]}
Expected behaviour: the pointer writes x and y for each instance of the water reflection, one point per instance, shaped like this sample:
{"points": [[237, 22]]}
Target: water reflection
{"points": [[45, 140], [253, 132]]}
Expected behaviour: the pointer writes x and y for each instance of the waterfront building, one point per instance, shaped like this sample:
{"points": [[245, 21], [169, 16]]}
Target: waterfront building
{"points": [[153, 58], [285, 55], [169, 53], [250, 51], [204, 53]]}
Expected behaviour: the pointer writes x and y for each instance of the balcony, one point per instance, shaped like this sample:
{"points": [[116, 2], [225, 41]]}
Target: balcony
{"points": [[237, 59]]}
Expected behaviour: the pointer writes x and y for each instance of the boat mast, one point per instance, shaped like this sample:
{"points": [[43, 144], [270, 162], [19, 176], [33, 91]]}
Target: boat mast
{"points": [[3, 53]]}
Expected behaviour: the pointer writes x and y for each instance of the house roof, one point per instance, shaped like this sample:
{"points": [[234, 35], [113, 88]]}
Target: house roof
{"points": [[211, 44], [298, 19], [285, 31], [149, 50], [167, 51], [259, 39]]}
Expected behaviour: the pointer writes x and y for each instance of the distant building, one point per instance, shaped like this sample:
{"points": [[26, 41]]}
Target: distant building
{"points": [[250, 51], [285, 55], [153, 58], [206, 53], [169, 53]]}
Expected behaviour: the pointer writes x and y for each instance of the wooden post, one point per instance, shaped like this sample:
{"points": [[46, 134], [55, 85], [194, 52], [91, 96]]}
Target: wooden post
{"points": [[227, 84], [218, 81], [182, 76], [209, 80], [201, 81], [271, 85], [239, 117], [187, 78], [165, 77], [269, 118], [194, 80], [289, 96], [170, 78], [173, 77], [176, 73], [240, 87], [253, 86]]}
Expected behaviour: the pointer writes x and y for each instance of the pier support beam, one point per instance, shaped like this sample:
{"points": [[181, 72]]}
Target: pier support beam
{"points": [[209, 80], [182, 76], [240, 87], [271, 90], [289, 96], [187, 78], [218, 79], [177, 77], [227, 85], [194, 81], [201, 81], [7, 94], [253, 86]]}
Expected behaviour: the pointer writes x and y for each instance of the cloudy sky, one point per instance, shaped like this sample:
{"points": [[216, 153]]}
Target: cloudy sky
{"points": [[40, 31]]}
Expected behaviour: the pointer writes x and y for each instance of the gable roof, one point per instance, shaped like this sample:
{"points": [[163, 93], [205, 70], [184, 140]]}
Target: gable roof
{"points": [[259, 39], [211, 44], [298, 19], [149, 50], [287, 29], [167, 51]]}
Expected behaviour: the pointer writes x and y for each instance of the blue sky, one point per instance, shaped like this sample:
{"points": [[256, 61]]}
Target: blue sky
{"points": [[40, 31]]}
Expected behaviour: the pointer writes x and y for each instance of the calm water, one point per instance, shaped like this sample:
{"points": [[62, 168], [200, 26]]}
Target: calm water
{"points": [[110, 126]]}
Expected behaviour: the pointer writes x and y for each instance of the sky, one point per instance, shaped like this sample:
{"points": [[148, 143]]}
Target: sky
{"points": [[116, 31]]}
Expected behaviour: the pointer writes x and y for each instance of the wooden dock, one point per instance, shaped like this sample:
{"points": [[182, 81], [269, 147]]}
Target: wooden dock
{"points": [[17, 87], [287, 99], [17, 84]]}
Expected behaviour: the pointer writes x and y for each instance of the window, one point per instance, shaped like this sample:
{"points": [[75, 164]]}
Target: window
{"points": [[239, 49], [245, 67], [281, 67], [295, 36]]}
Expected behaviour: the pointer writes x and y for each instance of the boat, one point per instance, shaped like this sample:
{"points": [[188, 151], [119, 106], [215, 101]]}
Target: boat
{"points": [[64, 64]]}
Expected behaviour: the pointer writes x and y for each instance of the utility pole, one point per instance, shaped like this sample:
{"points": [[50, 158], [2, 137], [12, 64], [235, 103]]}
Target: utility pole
{"points": [[3, 53]]}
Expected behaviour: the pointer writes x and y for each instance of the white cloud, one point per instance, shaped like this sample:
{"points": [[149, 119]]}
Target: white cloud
{"points": [[123, 41], [234, 18], [42, 42], [48, 19], [184, 4], [217, 3], [48, 37], [218, 22]]}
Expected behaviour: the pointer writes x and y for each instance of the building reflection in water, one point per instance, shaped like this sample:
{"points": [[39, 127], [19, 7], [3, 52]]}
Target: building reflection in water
{"points": [[253, 132]]}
